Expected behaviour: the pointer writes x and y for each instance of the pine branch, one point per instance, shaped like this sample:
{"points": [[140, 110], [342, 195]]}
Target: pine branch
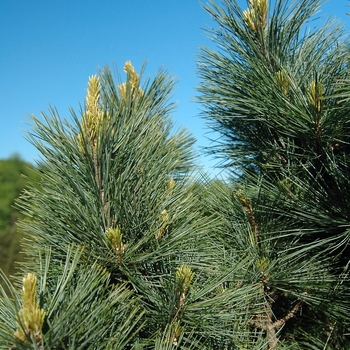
{"points": [[272, 327]]}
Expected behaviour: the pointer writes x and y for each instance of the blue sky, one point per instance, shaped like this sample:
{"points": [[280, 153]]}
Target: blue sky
{"points": [[48, 49]]}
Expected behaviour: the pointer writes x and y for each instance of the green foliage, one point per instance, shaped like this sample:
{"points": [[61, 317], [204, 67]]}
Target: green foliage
{"points": [[117, 184], [276, 92], [259, 91], [80, 310], [130, 248], [14, 174]]}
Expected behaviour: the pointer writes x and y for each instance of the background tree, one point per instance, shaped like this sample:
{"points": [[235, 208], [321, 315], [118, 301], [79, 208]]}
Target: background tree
{"points": [[14, 174], [275, 92]]}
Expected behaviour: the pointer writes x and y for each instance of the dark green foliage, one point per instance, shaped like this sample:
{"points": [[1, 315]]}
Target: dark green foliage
{"points": [[14, 174], [277, 93], [257, 90]]}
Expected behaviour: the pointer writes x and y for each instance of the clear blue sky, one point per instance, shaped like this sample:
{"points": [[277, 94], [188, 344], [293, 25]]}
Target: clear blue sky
{"points": [[48, 49]]}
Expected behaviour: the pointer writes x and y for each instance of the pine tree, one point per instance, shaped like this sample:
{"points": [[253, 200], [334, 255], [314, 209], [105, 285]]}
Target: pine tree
{"points": [[122, 255], [277, 92]]}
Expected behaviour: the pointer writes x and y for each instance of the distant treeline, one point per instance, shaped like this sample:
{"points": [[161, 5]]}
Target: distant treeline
{"points": [[14, 175]]}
